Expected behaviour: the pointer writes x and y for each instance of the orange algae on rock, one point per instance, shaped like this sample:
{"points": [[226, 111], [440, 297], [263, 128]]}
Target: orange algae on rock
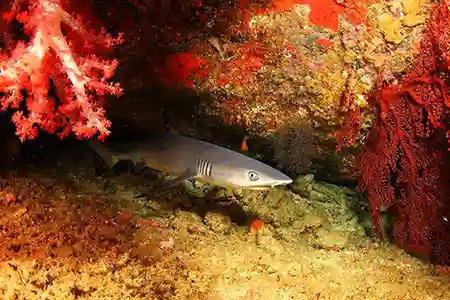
{"points": [[185, 68], [250, 58], [189, 69], [324, 13], [326, 43]]}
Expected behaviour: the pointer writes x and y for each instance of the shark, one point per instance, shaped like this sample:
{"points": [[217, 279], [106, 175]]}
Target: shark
{"points": [[187, 158]]}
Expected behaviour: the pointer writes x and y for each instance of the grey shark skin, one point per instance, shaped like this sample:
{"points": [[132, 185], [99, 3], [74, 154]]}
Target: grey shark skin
{"points": [[189, 158]]}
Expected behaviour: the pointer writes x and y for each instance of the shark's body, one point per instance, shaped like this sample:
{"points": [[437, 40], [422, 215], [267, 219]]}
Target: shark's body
{"points": [[189, 158]]}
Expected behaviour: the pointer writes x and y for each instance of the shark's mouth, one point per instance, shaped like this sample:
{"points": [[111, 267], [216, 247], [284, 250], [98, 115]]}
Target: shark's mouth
{"points": [[281, 184], [266, 187], [259, 188]]}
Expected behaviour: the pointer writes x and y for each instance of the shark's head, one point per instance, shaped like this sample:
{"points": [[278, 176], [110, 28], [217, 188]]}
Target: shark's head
{"points": [[254, 175]]}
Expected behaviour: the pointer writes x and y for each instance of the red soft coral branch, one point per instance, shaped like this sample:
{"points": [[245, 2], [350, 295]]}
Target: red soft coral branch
{"points": [[77, 79]]}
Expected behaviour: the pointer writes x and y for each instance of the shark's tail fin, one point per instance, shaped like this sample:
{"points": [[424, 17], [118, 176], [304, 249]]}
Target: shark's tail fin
{"points": [[103, 152]]}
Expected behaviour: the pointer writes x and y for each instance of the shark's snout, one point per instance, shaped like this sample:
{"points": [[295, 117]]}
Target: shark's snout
{"points": [[282, 182]]}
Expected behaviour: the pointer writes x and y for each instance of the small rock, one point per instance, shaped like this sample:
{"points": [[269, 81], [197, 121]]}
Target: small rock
{"points": [[194, 189], [126, 194], [310, 222], [319, 197], [217, 222], [266, 241], [167, 244], [336, 240], [238, 193], [181, 219], [20, 212], [303, 185], [285, 234], [195, 229]]}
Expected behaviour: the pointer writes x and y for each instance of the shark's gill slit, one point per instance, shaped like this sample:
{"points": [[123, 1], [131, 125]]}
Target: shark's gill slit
{"points": [[199, 166], [204, 167], [209, 169]]}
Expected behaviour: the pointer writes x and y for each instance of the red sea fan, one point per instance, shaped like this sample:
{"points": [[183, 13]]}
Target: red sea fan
{"points": [[402, 168], [79, 80]]}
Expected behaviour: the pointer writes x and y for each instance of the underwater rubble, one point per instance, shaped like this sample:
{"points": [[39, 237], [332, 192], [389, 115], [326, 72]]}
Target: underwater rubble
{"points": [[72, 234]]}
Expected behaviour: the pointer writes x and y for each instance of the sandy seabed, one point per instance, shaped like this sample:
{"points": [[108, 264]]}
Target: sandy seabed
{"points": [[67, 234]]}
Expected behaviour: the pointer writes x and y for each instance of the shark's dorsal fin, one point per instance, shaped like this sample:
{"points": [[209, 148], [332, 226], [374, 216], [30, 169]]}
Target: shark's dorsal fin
{"points": [[188, 174], [169, 128], [172, 130]]}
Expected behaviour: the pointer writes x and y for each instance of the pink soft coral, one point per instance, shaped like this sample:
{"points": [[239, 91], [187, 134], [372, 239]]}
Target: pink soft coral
{"points": [[47, 57]]}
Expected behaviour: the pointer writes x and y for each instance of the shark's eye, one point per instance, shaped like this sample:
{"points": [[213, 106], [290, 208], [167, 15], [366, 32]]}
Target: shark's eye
{"points": [[253, 176]]}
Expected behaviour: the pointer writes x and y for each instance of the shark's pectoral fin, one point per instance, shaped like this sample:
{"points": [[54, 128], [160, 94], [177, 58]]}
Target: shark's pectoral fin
{"points": [[188, 174]]}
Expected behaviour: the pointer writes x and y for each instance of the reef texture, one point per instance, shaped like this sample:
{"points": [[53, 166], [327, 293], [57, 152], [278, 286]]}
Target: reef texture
{"points": [[244, 64], [403, 166], [257, 66]]}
